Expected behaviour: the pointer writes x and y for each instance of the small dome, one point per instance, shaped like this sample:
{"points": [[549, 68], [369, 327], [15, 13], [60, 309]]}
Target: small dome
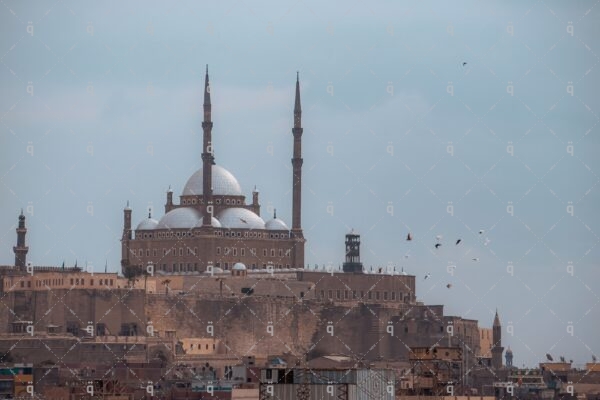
{"points": [[215, 270], [239, 267], [240, 218], [147, 224], [223, 183], [509, 351], [180, 218], [276, 225]]}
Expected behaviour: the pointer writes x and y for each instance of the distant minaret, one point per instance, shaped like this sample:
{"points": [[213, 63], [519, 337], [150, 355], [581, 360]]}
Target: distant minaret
{"points": [[298, 253], [20, 249], [509, 357], [127, 236], [497, 348], [208, 158]]}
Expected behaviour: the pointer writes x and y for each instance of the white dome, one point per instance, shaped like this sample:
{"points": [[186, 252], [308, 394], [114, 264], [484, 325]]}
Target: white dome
{"points": [[178, 218], [213, 221], [147, 225], [223, 183], [276, 225], [239, 267], [240, 218]]}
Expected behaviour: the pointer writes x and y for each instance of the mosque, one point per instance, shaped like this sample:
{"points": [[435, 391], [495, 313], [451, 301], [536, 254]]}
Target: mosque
{"points": [[213, 226]]}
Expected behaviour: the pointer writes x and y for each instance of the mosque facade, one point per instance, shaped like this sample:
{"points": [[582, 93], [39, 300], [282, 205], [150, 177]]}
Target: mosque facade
{"points": [[213, 227]]}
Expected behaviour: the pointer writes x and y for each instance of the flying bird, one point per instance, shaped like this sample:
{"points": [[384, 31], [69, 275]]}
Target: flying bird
{"points": [[449, 285], [427, 276], [475, 259], [464, 63], [481, 232], [243, 220], [458, 241], [549, 357], [409, 237], [437, 245], [594, 358]]}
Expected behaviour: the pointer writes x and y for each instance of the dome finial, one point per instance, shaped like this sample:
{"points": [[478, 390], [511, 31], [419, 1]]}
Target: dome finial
{"points": [[274, 213], [149, 212]]}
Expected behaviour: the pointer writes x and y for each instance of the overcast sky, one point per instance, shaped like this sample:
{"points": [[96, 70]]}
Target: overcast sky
{"points": [[100, 104]]}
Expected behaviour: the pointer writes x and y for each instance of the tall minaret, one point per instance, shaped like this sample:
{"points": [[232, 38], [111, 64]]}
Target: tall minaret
{"points": [[298, 261], [497, 348], [20, 249], [127, 236], [208, 158]]}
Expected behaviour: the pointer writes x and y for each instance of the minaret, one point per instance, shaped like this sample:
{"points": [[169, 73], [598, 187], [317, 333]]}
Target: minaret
{"points": [[509, 357], [497, 348], [298, 253], [208, 158], [169, 204], [20, 249], [126, 237]]}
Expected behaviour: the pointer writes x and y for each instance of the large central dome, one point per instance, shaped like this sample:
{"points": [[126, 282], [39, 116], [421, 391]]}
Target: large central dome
{"points": [[223, 183]]}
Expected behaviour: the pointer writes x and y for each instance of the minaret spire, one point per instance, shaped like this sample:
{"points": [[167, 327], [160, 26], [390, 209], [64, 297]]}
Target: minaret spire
{"points": [[20, 249], [298, 251], [208, 158]]}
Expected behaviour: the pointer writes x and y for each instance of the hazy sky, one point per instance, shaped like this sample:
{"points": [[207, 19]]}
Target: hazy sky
{"points": [[101, 104]]}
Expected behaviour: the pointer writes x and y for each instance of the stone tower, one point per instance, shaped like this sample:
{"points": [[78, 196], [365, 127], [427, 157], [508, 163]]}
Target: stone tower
{"points": [[296, 232], [20, 249], [352, 263], [497, 348]]}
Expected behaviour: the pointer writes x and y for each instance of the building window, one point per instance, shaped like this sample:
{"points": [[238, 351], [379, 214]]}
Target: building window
{"points": [[330, 294], [264, 252], [280, 252], [218, 251], [226, 250], [322, 294], [288, 253], [235, 251], [338, 294], [272, 252], [243, 252], [362, 294], [376, 295], [154, 252], [111, 282], [195, 251], [253, 252], [393, 295], [181, 251], [354, 294], [385, 294], [91, 282], [147, 252], [345, 295], [370, 295], [141, 253], [22, 284]]}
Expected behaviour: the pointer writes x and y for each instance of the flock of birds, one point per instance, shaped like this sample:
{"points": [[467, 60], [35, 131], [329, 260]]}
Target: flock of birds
{"points": [[438, 244]]}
